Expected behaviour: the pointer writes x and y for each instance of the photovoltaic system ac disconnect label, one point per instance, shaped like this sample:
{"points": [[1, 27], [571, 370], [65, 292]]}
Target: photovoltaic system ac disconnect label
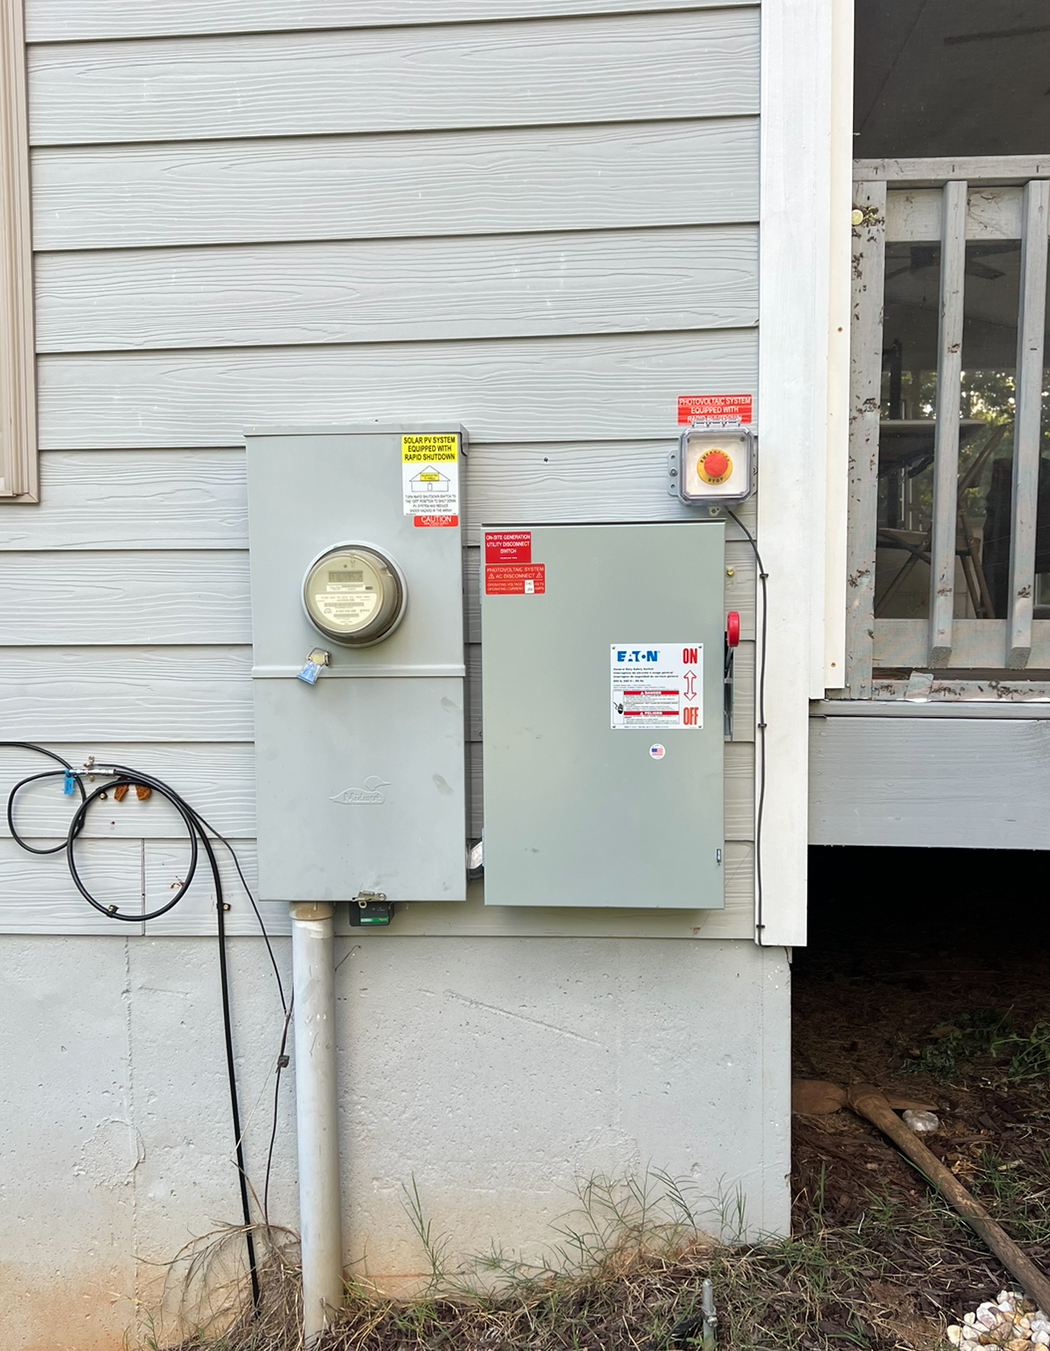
{"points": [[509, 569]]}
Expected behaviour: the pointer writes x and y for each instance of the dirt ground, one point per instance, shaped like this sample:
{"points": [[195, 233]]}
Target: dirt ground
{"points": [[928, 972]]}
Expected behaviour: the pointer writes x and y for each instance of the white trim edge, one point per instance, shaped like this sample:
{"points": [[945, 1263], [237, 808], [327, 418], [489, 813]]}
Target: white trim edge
{"points": [[794, 308], [840, 297], [18, 439]]}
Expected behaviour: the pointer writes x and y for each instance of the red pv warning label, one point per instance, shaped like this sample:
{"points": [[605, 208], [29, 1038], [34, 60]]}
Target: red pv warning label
{"points": [[728, 410], [439, 521], [514, 579], [508, 546]]}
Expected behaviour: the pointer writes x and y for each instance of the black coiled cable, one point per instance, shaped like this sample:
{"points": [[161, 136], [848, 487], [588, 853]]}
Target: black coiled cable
{"points": [[195, 829], [67, 769], [199, 834]]}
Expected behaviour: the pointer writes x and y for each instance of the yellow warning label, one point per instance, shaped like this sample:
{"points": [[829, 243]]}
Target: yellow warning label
{"points": [[430, 449]]}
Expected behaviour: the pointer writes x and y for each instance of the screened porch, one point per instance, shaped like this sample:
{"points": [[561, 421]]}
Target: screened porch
{"points": [[949, 509]]}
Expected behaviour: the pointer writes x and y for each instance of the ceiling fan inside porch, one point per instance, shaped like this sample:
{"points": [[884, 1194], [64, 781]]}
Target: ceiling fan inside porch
{"points": [[925, 256]]}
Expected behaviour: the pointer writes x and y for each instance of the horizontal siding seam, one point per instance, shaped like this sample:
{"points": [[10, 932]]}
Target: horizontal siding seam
{"points": [[94, 741], [315, 344], [300, 241], [626, 335], [482, 20], [144, 647], [321, 241], [477, 443], [177, 552], [272, 139]]}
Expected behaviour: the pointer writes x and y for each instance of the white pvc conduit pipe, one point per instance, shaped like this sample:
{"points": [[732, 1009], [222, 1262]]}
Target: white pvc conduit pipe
{"points": [[317, 1115]]}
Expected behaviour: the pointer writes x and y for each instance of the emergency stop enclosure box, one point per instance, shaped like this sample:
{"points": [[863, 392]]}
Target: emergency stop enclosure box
{"points": [[360, 776], [603, 679]]}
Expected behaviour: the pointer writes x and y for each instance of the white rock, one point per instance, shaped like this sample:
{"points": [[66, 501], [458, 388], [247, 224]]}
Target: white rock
{"points": [[921, 1121], [1007, 1322]]}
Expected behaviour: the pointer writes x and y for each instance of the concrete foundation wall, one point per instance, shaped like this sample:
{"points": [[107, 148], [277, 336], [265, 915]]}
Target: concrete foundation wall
{"points": [[495, 1072]]}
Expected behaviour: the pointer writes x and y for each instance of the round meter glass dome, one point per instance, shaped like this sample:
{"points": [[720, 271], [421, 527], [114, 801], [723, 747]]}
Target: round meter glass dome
{"points": [[354, 595]]}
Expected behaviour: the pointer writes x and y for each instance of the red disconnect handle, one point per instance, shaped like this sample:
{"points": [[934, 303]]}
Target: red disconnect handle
{"points": [[732, 629]]}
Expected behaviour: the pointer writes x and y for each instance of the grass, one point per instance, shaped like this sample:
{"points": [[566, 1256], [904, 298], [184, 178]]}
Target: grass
{"points": [[625, 1272], [876, 1259], [986, 1036]]}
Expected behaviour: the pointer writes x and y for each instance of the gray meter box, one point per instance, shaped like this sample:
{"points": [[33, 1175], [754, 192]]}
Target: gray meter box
{"points": [[360, 776], [602, 684]]}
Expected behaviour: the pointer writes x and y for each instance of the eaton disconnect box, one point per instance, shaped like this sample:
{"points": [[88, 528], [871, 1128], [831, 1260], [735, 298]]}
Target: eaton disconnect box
{"points": [[358, 671], [602, 689]]}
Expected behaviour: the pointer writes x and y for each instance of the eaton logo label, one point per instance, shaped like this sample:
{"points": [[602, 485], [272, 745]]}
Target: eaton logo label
{"points": [[657, 685]]}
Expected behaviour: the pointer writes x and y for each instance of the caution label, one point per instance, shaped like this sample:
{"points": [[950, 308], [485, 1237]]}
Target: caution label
{"points": [[715, 410], [515, 579], [430, 478], [657, 685]]}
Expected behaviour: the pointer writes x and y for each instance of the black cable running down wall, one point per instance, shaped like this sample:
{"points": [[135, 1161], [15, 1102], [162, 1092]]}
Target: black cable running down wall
{"points": [[200, 835], [760, 728]]}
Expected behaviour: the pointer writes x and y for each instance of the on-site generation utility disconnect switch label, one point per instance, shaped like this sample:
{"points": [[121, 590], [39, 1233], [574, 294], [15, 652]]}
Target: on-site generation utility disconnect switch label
{"points": [[657, 686]]}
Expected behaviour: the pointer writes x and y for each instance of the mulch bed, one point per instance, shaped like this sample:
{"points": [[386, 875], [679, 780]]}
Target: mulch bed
{"points": [[877, 1014]]}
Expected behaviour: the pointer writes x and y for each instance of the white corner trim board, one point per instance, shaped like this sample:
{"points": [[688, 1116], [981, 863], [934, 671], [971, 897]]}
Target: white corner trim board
{"points": [[800, 61], [18, 478]]}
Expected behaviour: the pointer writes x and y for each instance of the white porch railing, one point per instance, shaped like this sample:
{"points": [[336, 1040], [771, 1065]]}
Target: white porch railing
{"points": [[948, 203]]}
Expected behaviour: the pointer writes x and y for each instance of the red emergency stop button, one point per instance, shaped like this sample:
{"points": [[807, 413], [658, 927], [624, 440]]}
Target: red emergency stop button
{"points": [[732, 629], [714, 466]]}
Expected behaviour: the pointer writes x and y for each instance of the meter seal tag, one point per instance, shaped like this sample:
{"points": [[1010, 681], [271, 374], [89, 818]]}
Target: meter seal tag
{"points": [[657, 686], [430, 479], [313, 666]]}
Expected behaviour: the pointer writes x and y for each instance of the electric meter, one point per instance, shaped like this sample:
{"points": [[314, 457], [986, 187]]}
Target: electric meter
{"points": [[354, 594], [715, 465]]}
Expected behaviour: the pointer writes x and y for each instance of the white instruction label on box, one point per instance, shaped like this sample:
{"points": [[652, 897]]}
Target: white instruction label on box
{"points": [[657, 685]]}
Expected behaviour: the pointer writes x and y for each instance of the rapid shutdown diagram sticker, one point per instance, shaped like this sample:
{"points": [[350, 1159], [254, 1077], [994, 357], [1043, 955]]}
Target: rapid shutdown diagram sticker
{"points": [[430, 479], [657, 685]]}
